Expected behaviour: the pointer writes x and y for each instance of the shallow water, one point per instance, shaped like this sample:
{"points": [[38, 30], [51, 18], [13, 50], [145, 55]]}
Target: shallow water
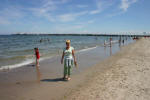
{"points": [[17, 50], [52, 68]]}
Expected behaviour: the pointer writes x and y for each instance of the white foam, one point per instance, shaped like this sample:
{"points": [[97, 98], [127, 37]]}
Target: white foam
{"points": [[26, 62], [86, 49], [115, 41]]}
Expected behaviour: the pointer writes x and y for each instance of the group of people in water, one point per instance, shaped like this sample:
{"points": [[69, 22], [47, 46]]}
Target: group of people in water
{"points": [[110, 41], [68, 59], [44, 40]]}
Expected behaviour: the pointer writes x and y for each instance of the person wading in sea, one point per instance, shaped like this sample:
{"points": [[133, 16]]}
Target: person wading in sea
{"points": [[37, 55], [68, 57]]}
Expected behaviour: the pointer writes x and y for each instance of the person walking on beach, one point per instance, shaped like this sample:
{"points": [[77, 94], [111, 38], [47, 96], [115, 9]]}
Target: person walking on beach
{"points": [[68, 57], [37, 55]]}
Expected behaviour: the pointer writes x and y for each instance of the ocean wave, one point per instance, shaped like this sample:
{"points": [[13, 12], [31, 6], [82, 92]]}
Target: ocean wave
{"points": [[86, 49], [23, 63], [115, 41], [26, 62]]}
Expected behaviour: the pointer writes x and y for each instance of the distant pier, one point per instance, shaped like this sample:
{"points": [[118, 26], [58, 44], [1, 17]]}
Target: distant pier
{"points": [[111, 35]]}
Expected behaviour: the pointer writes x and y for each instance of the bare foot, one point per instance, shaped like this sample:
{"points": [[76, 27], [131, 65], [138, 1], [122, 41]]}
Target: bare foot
{"points": [[68, 78]]}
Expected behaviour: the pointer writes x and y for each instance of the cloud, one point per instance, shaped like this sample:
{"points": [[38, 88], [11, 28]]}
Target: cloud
{"points": [[123, 7], [9, 14], [47, 8], [44, 10], [67, 17], [101, 5], [59, 12], [82, 6], [90, 21], [73, 27], [125, 4], [13, 12], [67, 28], [71, 16], [115, 14], [94, 12]]}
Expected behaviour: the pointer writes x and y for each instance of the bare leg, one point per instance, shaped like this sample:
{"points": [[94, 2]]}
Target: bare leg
{"points": [[69, 72], [37, 62], [65, 73]]}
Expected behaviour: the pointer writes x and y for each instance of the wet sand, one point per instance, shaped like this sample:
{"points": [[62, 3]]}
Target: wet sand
{"points": [[45, 82], [124, 77]]}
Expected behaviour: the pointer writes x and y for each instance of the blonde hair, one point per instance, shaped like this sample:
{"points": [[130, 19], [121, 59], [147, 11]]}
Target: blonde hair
{"points": [[67, 41]]}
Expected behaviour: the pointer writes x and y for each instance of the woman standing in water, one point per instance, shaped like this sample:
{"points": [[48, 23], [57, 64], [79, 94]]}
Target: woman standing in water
{"points": [[68, 57]]}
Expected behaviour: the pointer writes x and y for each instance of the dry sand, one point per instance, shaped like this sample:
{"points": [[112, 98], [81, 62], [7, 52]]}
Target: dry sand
{"points": [[125, 76]]}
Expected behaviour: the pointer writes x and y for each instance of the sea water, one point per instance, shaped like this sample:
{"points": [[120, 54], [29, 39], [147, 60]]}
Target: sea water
{"points": [[18, 50]]}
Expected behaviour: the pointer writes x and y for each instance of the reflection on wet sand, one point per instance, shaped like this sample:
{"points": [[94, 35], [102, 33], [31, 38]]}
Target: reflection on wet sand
{"points": [[38, 74], [119, 42], [110, 45], [123, 41], [110, 41], [110, 51]]}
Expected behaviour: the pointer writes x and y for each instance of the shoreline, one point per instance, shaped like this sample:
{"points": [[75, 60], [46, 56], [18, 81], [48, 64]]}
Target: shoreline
{"points": [[21, 51], [125, 77], [45, 82], [31, 61]]}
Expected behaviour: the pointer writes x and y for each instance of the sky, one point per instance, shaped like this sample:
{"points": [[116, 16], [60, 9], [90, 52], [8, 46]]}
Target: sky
{"points": [[74, 16]]}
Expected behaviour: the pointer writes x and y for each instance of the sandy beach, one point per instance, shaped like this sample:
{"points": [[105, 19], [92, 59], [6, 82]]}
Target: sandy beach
{"points": [[45, 82], [74, 50], [116, 76], [126, 76]]}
